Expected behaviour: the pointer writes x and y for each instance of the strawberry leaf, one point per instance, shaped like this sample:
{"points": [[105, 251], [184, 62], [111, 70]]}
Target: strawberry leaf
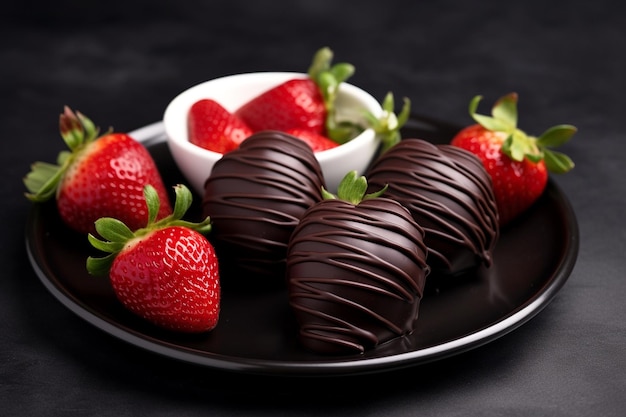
{"points": [[100, 266], [342, 71], [488, 122], [556, 136], [327, 84], [42, 181], [557, 162], [505, 110], [405, 113], [63, 157], [352, 189], [321, 62], [152, 202], [513, 148], [519, 146], [387, 126], [105, 246], [203, 227], [183, 201], [535, 157], [113, 229], [89, 128]]}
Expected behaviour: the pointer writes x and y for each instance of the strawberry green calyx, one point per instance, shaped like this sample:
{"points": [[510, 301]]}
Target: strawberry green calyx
{"points": [[117, 235], [387, 126], [77, 132], [328, 78], [352, 189], [519, 145]]}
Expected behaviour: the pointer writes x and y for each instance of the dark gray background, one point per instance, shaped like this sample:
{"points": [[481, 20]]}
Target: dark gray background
{"points": [[120, 62]]}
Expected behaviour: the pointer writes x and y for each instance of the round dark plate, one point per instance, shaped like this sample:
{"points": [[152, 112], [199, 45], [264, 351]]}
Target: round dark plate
{"points": [[257, 333]]}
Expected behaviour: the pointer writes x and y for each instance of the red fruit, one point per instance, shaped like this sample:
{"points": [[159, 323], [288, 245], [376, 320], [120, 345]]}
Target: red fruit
{"points": [[166, 273], [100, 176], [294, 103], [303, 103], [517, 163], [213, 127], [316, 141]]}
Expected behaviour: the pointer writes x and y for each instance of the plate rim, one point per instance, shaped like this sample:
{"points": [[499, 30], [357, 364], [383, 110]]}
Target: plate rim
{"points": [[154, 133]]}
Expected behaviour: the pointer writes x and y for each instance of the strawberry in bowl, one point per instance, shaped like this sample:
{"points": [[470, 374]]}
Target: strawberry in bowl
{"points": [[341, 122]]}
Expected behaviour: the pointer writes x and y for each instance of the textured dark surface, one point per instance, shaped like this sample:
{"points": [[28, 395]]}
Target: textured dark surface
{"points": [[121, 62]]}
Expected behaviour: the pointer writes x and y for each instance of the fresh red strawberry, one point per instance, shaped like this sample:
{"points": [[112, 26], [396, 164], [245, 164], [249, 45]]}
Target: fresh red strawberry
{"points": [[517, 163], [294, 103], [100, 176], [316, 141], [303, 103], [356, 270], [166, 272], [213, 127]]}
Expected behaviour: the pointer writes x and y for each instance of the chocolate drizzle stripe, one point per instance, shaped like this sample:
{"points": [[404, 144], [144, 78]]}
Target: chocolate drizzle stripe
{"points": [[344, 256], [266, 213], [267, 169], [356, 274], [255, 197], [331, 297], [342, 224], [344, 262], [424, 181], [345, 335], [449, 194], [456, 227]]}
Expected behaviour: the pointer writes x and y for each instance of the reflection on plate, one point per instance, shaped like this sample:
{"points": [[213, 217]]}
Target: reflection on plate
{"points": [[256, 332]]}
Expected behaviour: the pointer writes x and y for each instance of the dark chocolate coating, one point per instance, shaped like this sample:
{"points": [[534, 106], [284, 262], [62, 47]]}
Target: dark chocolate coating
{"points": [[255, 197], [356, 275], [450, 194]]}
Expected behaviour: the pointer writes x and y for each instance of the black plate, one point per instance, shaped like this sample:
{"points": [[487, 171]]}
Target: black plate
{"points": [[256, 332]]}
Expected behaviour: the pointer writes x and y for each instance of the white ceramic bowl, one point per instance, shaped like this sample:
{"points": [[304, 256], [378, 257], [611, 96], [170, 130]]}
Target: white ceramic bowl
{"points": [[233, 91]]}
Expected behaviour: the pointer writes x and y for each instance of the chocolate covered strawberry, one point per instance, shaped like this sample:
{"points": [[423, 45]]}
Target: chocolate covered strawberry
{"points": [[166, 272], [517, 163], [255, 197], [356, 269], [212, 127], [450, 195], [99, 176]]}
